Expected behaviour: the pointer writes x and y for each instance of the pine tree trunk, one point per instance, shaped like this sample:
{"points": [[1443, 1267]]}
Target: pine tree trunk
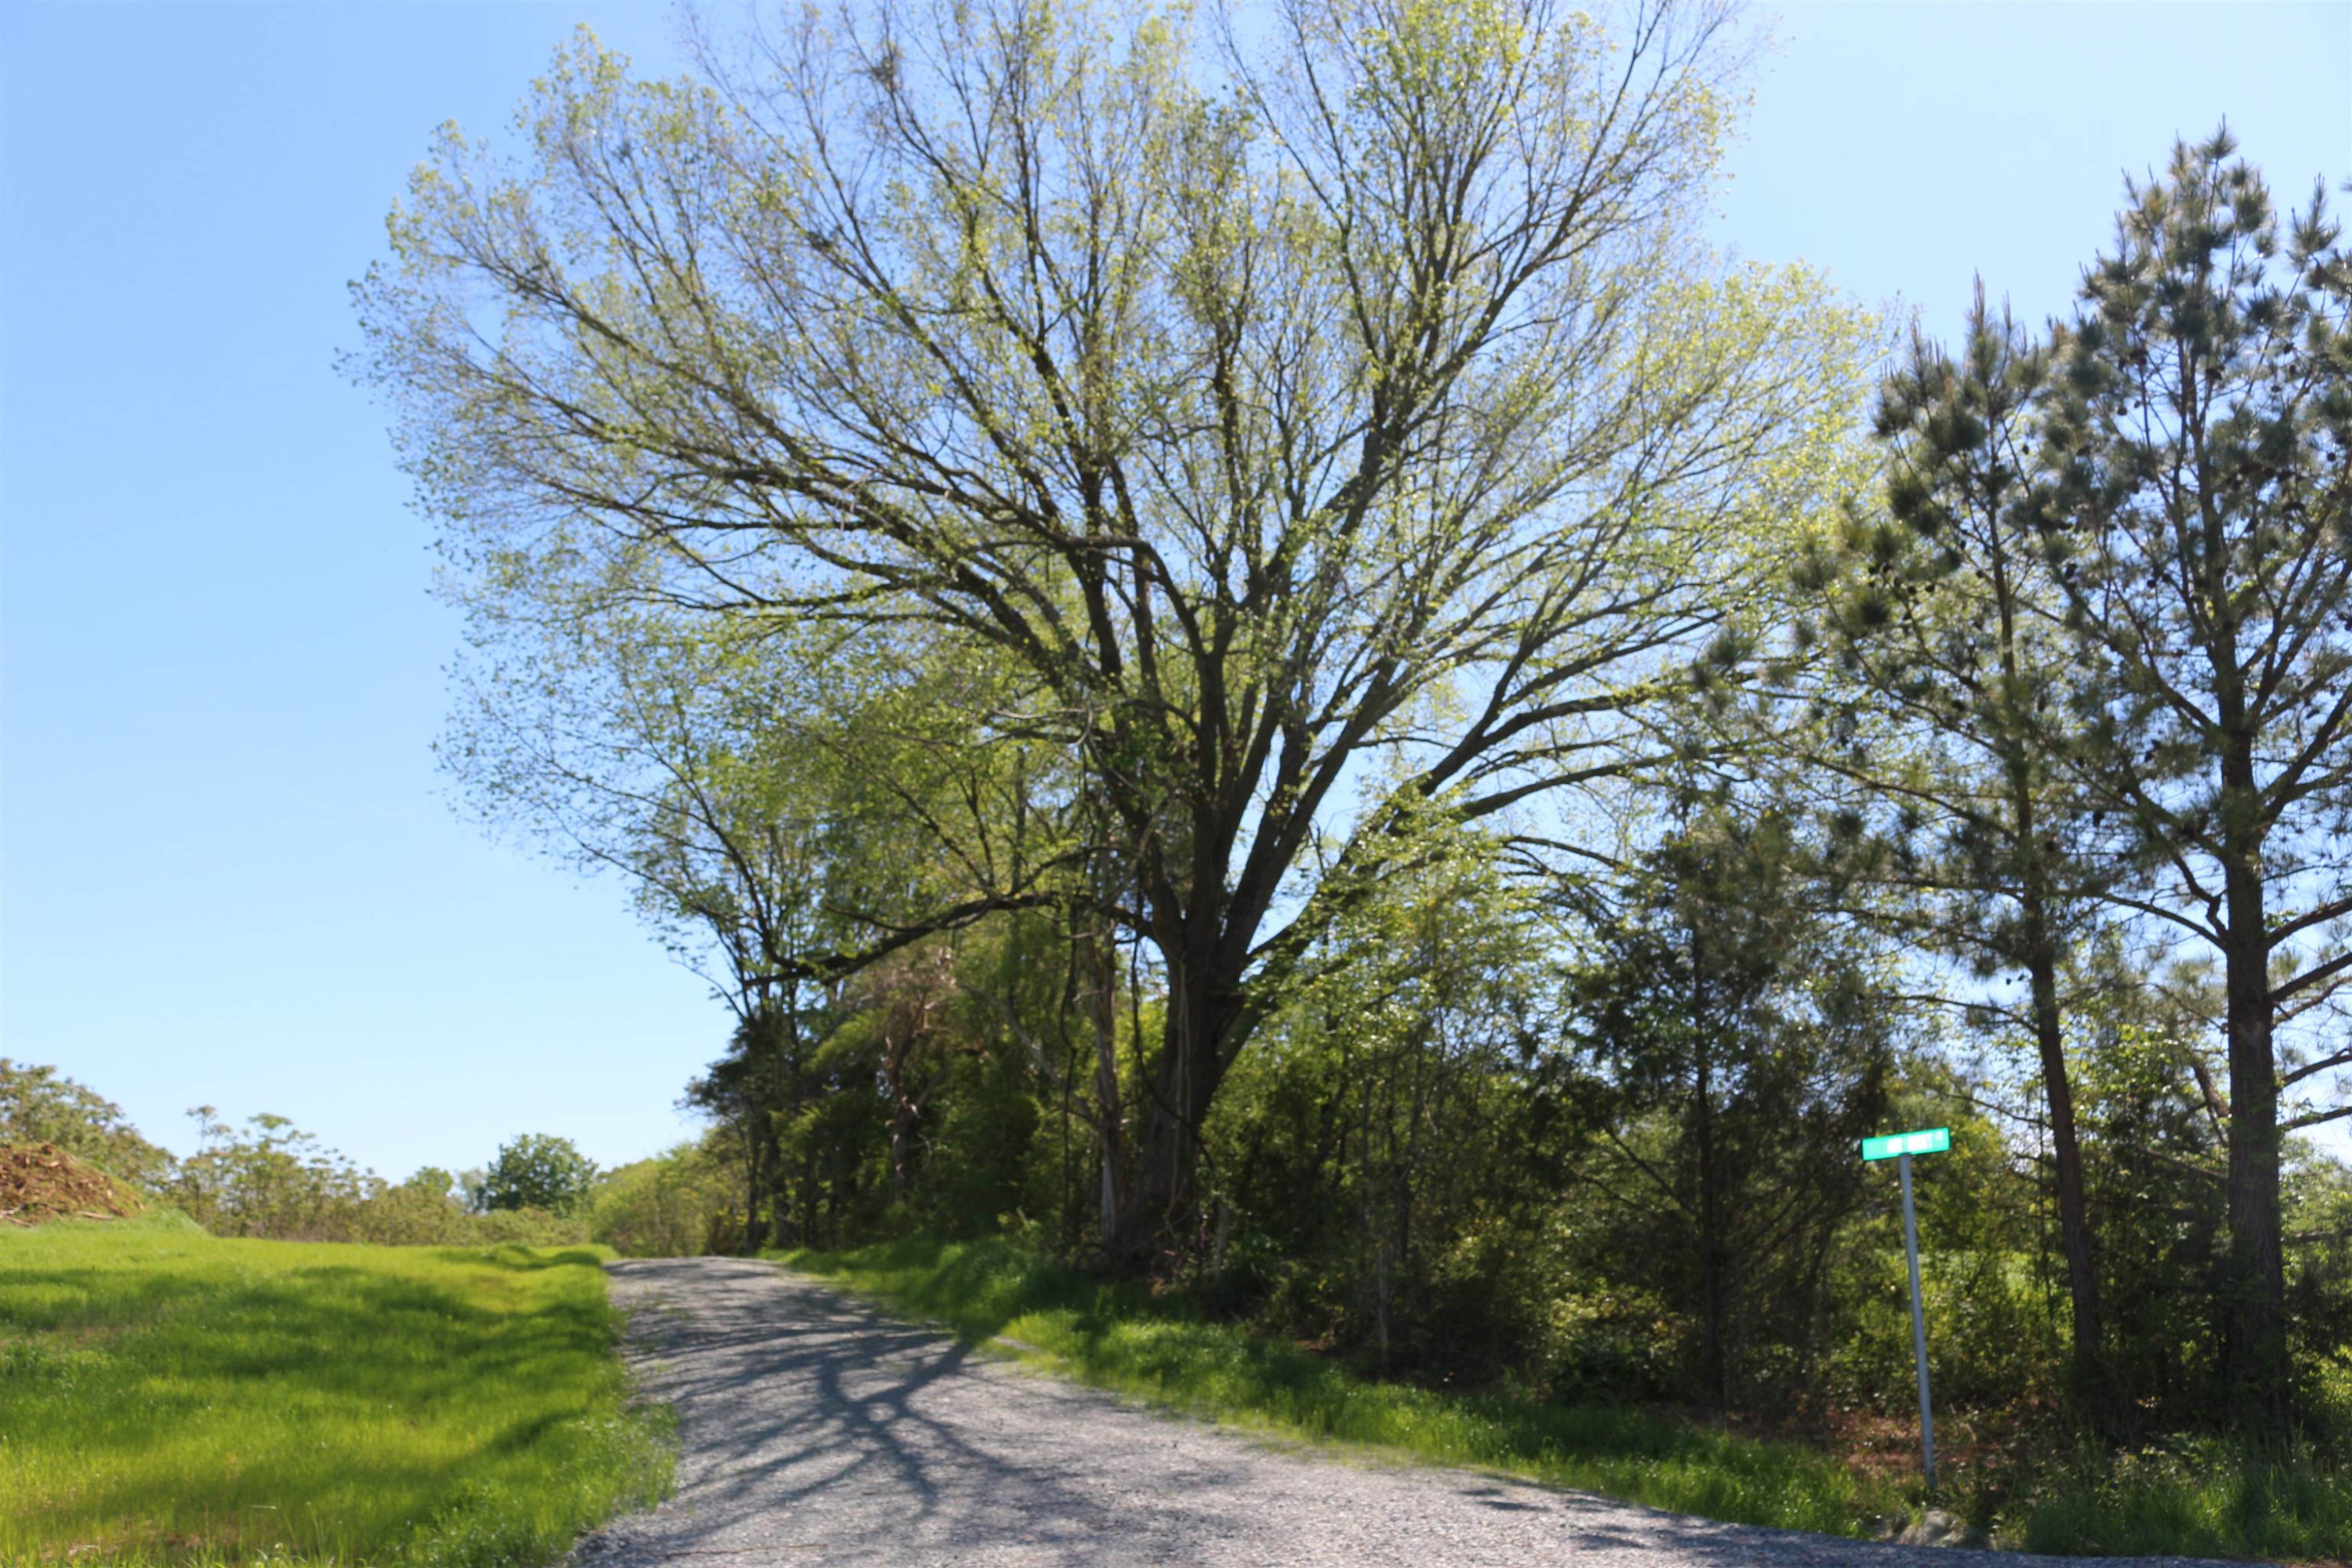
{"points": [[2074, 1211], [2091, 1390], [2258, 1376]]}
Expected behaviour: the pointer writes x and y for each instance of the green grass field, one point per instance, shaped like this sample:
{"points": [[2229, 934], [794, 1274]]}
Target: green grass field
{"points": [[171, 1397], [1123, 1339]]}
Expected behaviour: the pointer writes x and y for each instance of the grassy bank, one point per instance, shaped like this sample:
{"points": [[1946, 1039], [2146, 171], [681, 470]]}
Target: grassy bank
{"points": [[172, 1397], [2198, 1498], [2203, 1498], [1123, 1339]]}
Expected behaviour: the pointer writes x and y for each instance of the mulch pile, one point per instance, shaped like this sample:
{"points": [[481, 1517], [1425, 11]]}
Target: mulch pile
{"points": [[39, 1181]]}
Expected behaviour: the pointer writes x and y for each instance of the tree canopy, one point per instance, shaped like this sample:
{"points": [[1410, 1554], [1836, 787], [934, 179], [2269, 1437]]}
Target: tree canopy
{"points": [[537, 1171]]}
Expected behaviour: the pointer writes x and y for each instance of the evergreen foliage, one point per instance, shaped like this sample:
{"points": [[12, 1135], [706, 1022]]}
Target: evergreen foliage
{"points": [[1732, 1047], [2198, 513]]}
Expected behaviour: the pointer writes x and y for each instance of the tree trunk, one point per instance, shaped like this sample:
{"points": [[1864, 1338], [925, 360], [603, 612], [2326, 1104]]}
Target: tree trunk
{"points": [[906, 1112], [755, 1226], [1713, 1371], [2041, 955], [1714, 1368], [1102, 1014], [2259, 1375], [1160, 1196], [2073, 1210]]}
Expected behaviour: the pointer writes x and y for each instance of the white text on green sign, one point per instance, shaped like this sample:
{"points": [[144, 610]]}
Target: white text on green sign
{"points": [[1931, 1140]]}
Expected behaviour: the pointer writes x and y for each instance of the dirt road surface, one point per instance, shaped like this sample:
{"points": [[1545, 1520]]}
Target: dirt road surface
{"points": [[817, 1431]]}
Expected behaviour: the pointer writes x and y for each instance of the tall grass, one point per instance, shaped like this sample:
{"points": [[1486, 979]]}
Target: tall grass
{"points": [[1160, 1348], [2205, 1497], [169, 1397]]}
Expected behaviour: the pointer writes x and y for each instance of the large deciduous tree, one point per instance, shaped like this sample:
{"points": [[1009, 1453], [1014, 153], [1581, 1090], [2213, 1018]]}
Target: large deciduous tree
{"points": [[2201, 518], [1317, 413]]}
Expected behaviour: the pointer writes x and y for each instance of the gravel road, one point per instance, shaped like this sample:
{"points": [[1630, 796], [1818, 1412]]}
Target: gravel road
{"points": [[816, 1430]]}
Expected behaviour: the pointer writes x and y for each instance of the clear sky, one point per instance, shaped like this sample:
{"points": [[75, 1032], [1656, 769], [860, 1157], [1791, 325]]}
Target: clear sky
{"points": [[229, 874]]}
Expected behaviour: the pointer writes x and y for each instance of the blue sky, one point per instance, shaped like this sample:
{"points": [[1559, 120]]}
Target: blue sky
{"points": [[228, 872]]}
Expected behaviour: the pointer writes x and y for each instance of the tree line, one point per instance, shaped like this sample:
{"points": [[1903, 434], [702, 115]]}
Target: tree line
{"points": [[1239, 650], [272, 1179]]}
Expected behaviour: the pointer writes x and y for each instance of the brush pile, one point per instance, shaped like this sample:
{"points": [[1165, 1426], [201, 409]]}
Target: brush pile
{"points": [[40, 1182]]}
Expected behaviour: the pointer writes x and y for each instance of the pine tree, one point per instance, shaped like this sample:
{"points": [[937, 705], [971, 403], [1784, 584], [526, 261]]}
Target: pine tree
{"points": [[1736, 1048], [2199, 516], [1945, 620]]}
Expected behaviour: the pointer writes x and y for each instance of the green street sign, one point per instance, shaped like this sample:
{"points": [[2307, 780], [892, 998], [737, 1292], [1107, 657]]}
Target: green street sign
{"points": [[1929, 1141]]}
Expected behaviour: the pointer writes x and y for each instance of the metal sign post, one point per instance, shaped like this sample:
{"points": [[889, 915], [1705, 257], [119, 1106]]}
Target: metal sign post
{"points": [[1918, 1325], [1900, 1147]]}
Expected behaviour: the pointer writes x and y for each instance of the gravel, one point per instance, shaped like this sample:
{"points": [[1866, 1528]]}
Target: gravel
{"points": [[815, 1430]]}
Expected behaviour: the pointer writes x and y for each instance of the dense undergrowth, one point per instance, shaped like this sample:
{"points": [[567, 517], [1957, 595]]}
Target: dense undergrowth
{"points": [[2207, 1497], [170, 1397]]}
